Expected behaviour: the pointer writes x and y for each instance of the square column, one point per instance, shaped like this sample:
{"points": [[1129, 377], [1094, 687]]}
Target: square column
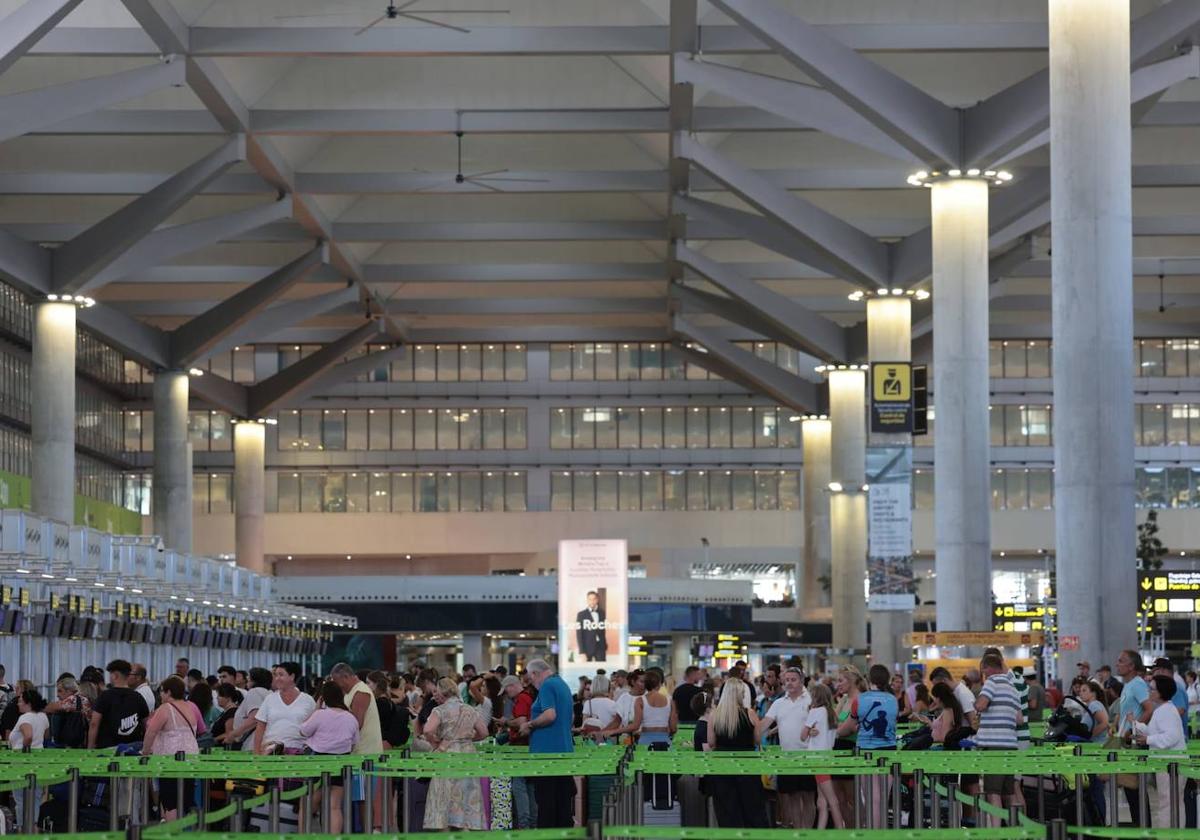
{"points": [[815, 434]]}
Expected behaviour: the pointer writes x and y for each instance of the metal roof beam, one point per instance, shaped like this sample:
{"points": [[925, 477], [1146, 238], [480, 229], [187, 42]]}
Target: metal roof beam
{"points": [[268, 42], [44, 108], [165, 244], [1016, 119], [291, 381], [804, 329], [857, 256], [78, 262], [270, 322], [192, 341], [346, 371], [27, 25], [913, 118], [807, 106], [767, 379]]}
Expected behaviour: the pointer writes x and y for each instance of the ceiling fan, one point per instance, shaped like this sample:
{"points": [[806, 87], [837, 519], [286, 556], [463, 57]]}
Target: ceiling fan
{"points": [[480, 179], [394, 11]]}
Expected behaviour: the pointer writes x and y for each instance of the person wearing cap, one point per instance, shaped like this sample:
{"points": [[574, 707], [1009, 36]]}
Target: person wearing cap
{"points": [[1085, 669]]}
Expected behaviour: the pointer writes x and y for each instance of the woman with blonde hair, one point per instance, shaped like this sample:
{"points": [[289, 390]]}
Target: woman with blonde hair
{"points": [[737, 800], [454, 727]]}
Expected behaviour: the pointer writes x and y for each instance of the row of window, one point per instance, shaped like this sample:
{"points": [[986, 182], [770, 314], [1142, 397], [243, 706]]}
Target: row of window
{"points": [[674, 490], [648, 360], [1154, 424], [94, 479], [1033, 488], [1015, 359], [402, 429], [98, 421], [396, 492], [674, 427]]}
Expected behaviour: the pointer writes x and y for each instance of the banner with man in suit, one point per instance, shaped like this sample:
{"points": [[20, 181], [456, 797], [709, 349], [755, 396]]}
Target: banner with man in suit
{"points": [[593, 606]]}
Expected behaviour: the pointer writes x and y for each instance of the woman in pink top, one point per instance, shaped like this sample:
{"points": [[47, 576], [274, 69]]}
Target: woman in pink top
{"points": [[173, 729], [331, 729]]}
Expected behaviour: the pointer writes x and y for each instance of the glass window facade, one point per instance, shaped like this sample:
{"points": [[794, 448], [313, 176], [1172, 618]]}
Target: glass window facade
{"points": [[406, 491], [674, 427], [401, 429], [674, 490]]}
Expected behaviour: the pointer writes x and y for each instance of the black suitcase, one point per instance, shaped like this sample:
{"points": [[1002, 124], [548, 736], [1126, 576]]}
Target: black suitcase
{"points": [[52, 818], [660, 787]]}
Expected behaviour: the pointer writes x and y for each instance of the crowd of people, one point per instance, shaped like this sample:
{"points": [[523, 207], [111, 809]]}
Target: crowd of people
{"points": [[280, 711]]}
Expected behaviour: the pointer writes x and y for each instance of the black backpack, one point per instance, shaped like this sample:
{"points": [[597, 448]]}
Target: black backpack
{"points": [[1064, 723], [70, 728]]}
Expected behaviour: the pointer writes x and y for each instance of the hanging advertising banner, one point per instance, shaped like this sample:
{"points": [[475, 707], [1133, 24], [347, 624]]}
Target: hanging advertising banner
{"points": [[889, 528], [891, 397], [593, 607]]}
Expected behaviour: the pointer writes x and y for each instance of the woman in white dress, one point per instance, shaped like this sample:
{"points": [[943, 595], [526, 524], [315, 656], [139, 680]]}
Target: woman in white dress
{"points": [[1163, 732]]}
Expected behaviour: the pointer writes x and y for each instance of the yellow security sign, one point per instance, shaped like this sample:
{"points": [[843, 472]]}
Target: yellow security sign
{"points": [[892, 381]]}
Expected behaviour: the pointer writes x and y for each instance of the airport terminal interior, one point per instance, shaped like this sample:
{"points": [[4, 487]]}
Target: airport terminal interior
{"points": [[600, 418]]}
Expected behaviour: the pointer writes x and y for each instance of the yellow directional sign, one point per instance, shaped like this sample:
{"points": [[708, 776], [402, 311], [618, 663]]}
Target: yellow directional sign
{"points": [[1172, 593]]}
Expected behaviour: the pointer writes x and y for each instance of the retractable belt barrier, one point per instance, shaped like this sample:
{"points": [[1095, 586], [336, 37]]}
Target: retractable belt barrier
{"points": [[929, 777]]}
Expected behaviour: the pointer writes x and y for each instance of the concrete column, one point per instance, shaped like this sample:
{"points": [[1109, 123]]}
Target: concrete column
{"points": [[52, 413], [172, 464], [249, 491], [962, 501], [473, 652], [681, 655], [848, 509], [1092, 295], [815, 440], [889, 339]]}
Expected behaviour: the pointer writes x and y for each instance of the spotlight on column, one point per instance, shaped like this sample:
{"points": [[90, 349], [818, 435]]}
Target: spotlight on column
{"points": [[998, 177], [835, 487], [195, 372]]}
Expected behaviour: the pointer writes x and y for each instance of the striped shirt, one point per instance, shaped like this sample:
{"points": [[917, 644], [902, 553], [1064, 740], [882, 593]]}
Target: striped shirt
{"points": [[1022, 689], [998, 722]]}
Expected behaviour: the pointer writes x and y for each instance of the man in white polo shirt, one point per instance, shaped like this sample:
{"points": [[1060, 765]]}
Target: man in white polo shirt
{"points": [[787, 716]]}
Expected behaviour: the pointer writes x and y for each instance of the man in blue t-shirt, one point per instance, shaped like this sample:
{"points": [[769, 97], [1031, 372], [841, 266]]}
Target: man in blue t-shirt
{"points": [[549, 731], [1135, 708]]}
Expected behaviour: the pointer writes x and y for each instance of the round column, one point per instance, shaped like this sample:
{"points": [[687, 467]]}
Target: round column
{"points": [[172, 463], [249, 492], [52, 412], [961, 456], [815, 440], [848, 509], [1092, 296], [889, 339]]}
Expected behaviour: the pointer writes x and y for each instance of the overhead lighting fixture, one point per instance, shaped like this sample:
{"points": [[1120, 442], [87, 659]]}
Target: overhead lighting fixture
{"points": [[924, 178], [835, 487], [195, 372]]}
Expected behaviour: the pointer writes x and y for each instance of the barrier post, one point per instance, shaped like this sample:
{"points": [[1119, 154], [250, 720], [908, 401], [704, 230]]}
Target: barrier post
{"points": [[1174, 802], [918, 809], [935, 805], [1114, 790], [385, 804], [594, 830], [238, 820], [30, 805], [304, 814], [1014, 815], [368, 790], [897, 796], [326, 803], [347, 800], [1080, 793], [73, 802], [113, 769], [1143, 798], [1041, 798], [405, 815], [953, 807], [273, 811], [1056, 830], [858, 809], [639, 798]]}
